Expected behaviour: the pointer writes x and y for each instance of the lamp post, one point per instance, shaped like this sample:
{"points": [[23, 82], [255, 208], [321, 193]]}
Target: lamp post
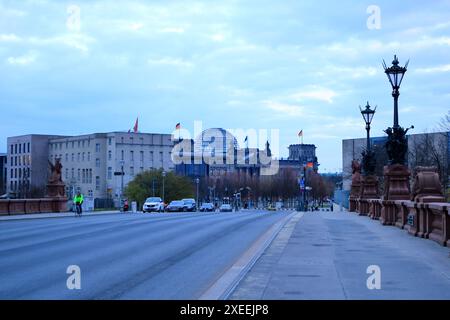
{"points": [[163, 186], [395, 75], [122, 173], [197, 181], [367, 115]]}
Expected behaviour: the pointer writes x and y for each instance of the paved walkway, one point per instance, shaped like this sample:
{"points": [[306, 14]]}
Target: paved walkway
{"points": [[326, 255], [54, 215]]}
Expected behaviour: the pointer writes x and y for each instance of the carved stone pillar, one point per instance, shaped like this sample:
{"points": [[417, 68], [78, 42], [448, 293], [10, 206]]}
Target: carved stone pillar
{"points": [[396, 187]]}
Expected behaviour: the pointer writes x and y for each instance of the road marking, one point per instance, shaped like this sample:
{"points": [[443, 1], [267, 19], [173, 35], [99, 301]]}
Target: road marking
{"points": [[226, 284]]}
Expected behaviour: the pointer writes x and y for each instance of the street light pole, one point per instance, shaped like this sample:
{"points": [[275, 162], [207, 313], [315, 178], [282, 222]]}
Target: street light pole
{"points": [[197, 181], [163, 186], [395, 75], [122, 164], [367, 115]]}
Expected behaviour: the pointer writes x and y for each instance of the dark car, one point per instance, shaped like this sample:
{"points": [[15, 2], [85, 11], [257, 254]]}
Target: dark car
{"points": [[189, 205], [207, 207], [175, 206]]}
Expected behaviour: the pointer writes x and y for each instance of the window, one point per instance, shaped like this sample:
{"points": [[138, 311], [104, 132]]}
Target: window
{"points": [[73, 157], [110, 141], [83, 180], [78, 157], [83, 157], [90, 193], [12, 149], [97, 183], [110, 155], [132, 155], [123, 155], [97, 163], [109, 173], [90, 175], [121, 140], [132, 171], [67, 174], [142, 169], [20, 148], [82, 144], [89, 156], [73, 144], [97, 147], [73, 173], [142, 156], [79, 175], [131, 140], [142, 140], [67, 157]]}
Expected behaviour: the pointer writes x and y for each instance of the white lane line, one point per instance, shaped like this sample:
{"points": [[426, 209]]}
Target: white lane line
{"points": [[226, 284]]}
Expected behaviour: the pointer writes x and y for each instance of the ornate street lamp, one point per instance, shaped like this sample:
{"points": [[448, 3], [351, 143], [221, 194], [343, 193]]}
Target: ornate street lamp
{"points": [[396, 145], [368, 157], [367, 115], [395, 75]]}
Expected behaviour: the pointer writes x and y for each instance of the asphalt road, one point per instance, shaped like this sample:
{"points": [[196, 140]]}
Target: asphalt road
{"points": [[124, 256]]}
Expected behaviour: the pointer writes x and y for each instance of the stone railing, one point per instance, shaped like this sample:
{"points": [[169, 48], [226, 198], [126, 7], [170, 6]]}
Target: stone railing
{"points": [[28, 206], [421, 219]]}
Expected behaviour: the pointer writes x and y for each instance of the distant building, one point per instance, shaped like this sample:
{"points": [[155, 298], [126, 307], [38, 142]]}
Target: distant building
{"points": [[423, 148], [3, 161], [215, 152], [304, 153], [89, 161], [27, 165]]}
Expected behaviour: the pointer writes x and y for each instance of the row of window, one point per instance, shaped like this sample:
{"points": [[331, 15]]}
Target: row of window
{"points": [[81, 157], [19, 148], [80, 143], [84, 176], [24, 160], [19, 173]]}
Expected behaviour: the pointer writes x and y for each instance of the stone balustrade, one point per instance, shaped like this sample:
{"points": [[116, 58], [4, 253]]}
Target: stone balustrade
{"points": [[28, 206], [425, 215], [428, 220]]}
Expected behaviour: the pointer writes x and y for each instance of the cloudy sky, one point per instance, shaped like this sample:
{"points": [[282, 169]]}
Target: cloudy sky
{"points": [[260, 64]]}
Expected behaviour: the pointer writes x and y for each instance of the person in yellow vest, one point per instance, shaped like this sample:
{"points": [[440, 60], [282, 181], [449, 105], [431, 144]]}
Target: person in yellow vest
{"points": [[78, 201]]}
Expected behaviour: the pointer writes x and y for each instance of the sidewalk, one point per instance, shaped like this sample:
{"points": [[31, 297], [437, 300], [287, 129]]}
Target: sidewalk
{"points": [[325, 255], [53, 215]]}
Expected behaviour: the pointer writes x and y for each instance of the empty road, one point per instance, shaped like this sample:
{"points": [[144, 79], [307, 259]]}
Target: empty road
{"points": [[125, 256]]}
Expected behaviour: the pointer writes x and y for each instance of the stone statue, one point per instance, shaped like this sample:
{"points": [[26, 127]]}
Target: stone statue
{"points": [[56, 172], [397, 144]]}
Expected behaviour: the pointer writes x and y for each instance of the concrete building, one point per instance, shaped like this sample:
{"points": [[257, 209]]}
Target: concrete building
{"points": [[423, 149], [27, 165], [90, 161], [303, 153], [3, 162]]}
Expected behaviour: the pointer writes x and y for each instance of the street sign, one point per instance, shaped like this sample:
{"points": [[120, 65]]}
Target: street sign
{"points": [[411, 220], [119, 173]]}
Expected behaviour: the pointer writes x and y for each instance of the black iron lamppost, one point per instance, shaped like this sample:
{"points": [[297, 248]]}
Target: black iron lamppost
{"points": [[368, 114], [395, 75]]}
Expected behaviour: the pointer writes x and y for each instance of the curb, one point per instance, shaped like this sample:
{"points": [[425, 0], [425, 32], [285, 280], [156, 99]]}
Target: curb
{"points": [[227, 283]]}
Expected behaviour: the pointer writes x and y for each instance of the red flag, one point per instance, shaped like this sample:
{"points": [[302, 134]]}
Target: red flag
{"points": [[178, 126], [136, 126]]}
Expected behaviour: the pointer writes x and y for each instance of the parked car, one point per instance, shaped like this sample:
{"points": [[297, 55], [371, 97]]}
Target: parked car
{"points": [[153, 204], [175, 206], [226, 208], [207, 207], [189, 205]]}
